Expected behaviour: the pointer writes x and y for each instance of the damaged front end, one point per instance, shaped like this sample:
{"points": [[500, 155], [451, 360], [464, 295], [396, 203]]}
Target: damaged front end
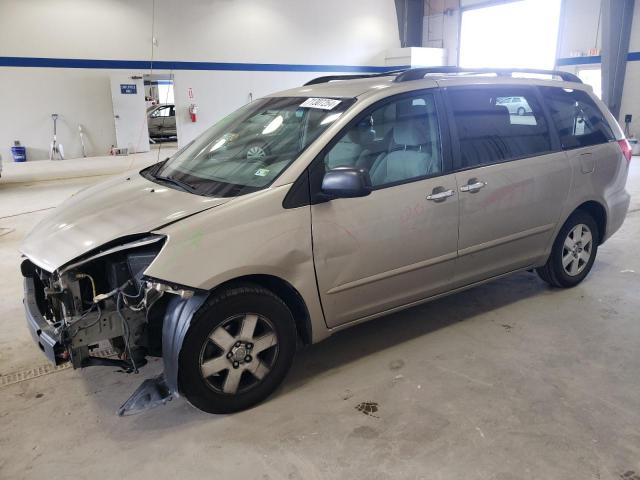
{"points": [[104, 300]]}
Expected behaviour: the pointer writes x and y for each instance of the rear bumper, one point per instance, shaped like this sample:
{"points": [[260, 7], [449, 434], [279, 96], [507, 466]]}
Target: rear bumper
{"points": [[43, 333], [618, 207]]}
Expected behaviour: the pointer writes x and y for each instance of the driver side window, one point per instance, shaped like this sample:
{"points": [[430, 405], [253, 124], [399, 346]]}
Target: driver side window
{"points": [[395, 143]]}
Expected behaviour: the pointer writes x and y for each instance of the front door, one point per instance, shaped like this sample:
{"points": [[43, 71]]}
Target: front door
{"points": [[398, 244], [513, 180]]}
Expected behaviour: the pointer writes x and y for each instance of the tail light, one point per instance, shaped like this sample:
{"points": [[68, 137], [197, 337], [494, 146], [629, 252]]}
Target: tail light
{"points": [[625, 146]]}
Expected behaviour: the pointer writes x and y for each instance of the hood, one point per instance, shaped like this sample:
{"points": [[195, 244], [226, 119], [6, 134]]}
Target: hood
{"points": [[107, 211]]}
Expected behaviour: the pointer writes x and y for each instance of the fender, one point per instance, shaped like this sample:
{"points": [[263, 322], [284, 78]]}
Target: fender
{"points": [[177, 319], [159, 390]]}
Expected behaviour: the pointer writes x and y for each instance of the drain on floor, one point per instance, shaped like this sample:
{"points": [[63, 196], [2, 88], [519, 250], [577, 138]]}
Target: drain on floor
{"points": [[35, 372]]}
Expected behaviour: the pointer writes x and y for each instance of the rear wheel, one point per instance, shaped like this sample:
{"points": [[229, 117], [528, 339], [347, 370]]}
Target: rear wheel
{"points": [[573, 253], [237, 351], [521, 111]]}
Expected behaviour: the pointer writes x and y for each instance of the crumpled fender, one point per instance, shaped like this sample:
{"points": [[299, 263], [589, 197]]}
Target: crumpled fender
{"points": [[177, 319]]}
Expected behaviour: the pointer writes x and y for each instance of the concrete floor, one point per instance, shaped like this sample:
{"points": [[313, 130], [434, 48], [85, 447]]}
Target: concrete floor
{"points": [[511, 380]]}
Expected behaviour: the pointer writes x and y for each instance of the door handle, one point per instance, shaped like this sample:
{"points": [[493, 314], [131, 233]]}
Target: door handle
{"points": [[439, 196], [473, 187]]}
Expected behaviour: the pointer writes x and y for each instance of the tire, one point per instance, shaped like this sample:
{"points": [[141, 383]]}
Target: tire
{"points": [[209, 369], [571, 261], [521, 111]]}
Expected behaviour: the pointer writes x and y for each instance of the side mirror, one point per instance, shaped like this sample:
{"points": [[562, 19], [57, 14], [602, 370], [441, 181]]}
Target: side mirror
{"points": [[346, 182]]}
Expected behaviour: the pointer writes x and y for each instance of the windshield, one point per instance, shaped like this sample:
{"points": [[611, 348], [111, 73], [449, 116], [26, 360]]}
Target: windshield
{"points": [[248, 149]]}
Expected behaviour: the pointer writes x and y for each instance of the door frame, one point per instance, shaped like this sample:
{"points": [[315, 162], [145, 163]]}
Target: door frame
{"points": [[315, 174]]}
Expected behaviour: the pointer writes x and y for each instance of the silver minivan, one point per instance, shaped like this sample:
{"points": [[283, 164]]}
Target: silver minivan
{"points": [[374, 193]]}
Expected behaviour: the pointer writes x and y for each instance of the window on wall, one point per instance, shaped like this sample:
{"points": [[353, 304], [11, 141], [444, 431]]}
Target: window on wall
{"points": [[508, 35], [165, 92], [593, 77]]}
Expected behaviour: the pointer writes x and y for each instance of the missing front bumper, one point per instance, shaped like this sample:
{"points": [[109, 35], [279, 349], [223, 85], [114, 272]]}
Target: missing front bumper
{"points": [[44, 334]]}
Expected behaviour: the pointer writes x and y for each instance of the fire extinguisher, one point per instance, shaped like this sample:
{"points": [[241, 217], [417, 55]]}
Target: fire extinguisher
{"points": [[193, 112]]}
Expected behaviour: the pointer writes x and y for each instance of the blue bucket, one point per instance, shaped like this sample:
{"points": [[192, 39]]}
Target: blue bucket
{"points": [[19, 154]]}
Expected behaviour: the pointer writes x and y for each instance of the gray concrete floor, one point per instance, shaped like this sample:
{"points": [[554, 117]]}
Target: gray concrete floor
{"points": [[510, 380]]}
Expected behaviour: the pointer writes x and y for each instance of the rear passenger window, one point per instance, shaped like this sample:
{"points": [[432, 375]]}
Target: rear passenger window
{"points": [[498, 124], [577, 118]]}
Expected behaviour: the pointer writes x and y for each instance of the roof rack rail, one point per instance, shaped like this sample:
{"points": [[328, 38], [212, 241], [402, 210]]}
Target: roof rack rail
{"points": [[419, 73], [330, 78]]}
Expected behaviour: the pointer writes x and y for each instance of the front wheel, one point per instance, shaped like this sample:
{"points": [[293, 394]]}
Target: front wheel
{"points": [[237, 351], [573, 253]]}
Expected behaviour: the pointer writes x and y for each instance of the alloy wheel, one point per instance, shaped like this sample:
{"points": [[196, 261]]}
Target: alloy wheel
{"points": [[239, 353], [577, 249]]}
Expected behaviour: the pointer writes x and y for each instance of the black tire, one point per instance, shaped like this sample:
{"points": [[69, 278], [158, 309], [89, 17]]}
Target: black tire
{"points": [[553, 271], [218, 310]]}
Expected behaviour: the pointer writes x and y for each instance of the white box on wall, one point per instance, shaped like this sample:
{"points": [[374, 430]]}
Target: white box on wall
{"points": [[415, 57]]}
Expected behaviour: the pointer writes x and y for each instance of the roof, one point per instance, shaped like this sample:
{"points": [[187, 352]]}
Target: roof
{"points": [[350, 88], [342, 88]]}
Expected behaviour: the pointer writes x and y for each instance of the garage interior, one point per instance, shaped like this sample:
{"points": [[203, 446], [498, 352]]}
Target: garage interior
{"points": [[512, 379]]}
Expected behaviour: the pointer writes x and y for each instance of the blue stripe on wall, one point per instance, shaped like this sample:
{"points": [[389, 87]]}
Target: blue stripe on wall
{"points": [[578, 60], [171, 65], [241, 67], [631, 57]]}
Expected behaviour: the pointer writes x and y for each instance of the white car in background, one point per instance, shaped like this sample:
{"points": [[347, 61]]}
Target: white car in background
{"points": [[515, 105]]}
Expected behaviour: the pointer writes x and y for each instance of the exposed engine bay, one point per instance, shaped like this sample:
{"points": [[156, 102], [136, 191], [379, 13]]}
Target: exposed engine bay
{"points": [[101, 297]]}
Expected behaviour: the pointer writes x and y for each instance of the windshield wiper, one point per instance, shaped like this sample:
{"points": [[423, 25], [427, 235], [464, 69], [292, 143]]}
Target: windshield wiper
{"points": [[183, 185]]}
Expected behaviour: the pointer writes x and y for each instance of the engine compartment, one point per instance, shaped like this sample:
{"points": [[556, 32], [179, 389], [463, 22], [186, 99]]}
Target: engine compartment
{"points": [[103, 297]]}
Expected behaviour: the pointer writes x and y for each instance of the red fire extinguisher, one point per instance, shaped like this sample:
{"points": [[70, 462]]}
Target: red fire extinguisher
{"points": [[193, 112]]}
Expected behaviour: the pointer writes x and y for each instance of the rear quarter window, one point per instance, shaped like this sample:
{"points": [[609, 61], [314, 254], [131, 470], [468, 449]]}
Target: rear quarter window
{"points": [[579, 121]]}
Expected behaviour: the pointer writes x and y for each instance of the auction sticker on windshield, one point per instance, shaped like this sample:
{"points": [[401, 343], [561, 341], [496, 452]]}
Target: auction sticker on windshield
{"points": [[321, 103]]}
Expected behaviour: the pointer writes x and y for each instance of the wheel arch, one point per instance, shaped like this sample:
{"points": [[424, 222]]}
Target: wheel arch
{"points": [[289, 295], [599, 214]]}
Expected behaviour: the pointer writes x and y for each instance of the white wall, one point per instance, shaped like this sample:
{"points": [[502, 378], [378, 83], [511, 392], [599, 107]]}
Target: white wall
{"points": [[30, 96], [579, 27], [441, 31], [331, 32]]}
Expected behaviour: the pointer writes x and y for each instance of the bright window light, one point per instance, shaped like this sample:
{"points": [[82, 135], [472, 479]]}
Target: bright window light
{"points": [[519, 34], [593, 77], [165, 92]]}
